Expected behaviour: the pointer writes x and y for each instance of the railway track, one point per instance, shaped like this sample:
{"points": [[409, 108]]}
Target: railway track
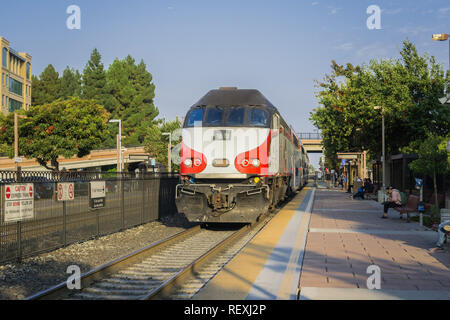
{"points": [[175, 268]]}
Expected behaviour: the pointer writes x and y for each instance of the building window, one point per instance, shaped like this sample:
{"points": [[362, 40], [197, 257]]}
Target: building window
{"points": [[15, 86], [14, 105], [5, 59], [28, 71]]}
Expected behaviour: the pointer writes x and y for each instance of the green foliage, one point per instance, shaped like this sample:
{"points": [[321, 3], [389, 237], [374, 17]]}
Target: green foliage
{"points": [[46, 88], [61, 128], [125, 90], [70, 84], [407, 88], [133, 93], [156, 144], [94, 82], [433, 159]]}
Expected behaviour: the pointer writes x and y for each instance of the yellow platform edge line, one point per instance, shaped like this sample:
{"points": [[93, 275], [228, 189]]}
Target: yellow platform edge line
{"points": [[236, 279]]}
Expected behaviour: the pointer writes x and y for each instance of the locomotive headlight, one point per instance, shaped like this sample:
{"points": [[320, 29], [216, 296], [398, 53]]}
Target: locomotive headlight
{"points": [[188, 162], [255, 163], [197, 162], [245, 163]]}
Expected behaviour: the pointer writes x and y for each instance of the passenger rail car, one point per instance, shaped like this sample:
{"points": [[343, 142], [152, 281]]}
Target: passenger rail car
{"points": [[239, 158]]}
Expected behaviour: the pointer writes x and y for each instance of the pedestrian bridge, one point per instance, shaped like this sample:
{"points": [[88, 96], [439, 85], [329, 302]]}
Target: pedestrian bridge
{"points": [[312, 142], [96, 158]]}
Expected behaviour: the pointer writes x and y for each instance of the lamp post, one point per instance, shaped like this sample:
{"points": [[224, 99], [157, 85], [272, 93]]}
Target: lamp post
{"points": [[169, 148], [16, 139], [119, 145], [383, 158], [443, 37]]}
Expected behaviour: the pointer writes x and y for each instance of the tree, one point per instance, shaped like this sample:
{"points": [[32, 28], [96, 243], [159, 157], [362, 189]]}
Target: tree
{"points": [[156, 144], [433, 159], [94, 84], [407, 88], [70, 84], [46, 88], [61, 128], [133, 91]]}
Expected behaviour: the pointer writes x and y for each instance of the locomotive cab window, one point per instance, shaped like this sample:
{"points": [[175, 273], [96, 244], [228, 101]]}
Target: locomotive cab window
{"points": [[214, 116], [257, 117], [235, 116], [196, 115]]}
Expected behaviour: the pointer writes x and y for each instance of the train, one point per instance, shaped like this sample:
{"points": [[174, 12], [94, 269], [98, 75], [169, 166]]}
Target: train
{"points": [[238, 158]]}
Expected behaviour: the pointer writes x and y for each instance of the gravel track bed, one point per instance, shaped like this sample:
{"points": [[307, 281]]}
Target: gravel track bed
{"points": [[20, 280]]}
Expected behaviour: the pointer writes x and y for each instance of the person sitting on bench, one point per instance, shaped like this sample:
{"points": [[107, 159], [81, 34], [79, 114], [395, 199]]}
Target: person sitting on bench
{"points": [[394, 200], [444, 228], [359, 194]]}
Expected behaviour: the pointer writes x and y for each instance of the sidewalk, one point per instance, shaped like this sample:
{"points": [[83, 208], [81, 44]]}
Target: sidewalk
{"points": [[346, 236]]}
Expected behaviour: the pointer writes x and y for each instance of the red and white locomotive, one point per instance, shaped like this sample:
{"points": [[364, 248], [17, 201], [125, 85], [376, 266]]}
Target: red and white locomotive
{"points": [[238, 158]]}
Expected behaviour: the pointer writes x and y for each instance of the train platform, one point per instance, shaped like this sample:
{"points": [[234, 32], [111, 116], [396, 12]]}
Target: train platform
{"points": [[320, 246]]}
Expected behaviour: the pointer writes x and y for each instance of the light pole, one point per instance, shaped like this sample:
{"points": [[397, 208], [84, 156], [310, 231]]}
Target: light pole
{"points": [[383, 158], [119, 145], [169, 148], [16, 139], [443, 37]]}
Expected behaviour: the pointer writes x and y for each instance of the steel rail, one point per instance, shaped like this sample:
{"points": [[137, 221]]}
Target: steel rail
{"points": [[175, 282], [61, 291]]}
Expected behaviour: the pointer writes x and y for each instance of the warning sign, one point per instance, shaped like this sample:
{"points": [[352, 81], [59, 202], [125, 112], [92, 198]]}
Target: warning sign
{"points": [[66, 191], [19, 202]]}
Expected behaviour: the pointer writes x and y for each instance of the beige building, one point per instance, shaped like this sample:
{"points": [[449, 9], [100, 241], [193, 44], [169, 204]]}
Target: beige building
{"points": [[15, 86]]}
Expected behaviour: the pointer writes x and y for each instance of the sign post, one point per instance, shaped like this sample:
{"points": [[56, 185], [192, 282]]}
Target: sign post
{"points": [[65, 192]]}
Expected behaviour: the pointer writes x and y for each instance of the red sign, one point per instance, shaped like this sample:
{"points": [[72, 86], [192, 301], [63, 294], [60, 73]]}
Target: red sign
{"points": [[8, 193], [60, 191], [30, 191], [71, 195]]}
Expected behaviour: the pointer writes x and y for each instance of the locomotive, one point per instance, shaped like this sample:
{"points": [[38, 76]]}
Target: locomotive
{"points": [[238, 158]]}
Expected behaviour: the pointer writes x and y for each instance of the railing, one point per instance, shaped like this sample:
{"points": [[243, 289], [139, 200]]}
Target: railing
{"points": [[310, 136], [130, 200]]}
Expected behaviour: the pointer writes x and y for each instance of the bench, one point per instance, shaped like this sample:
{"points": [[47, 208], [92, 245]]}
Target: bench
{"points": [[374, 192], [410, 206]]}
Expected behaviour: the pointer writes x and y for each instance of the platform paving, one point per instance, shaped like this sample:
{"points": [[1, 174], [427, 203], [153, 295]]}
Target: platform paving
{"points": [[346, 236]]}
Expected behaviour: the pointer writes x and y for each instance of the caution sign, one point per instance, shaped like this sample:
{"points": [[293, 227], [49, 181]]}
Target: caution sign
{"points": [[19, 202], [97, 194], [65, 191]]}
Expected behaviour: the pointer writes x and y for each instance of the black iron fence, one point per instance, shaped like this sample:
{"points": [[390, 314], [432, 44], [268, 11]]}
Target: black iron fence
{"points": [[130, 200]]}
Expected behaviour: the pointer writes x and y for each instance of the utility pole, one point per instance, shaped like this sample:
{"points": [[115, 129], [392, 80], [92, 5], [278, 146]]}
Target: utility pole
{"points": [[169, 149], [383, 147], [119, 144], [16, 139]]}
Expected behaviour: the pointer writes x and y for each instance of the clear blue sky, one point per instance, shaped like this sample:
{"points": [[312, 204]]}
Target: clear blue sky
{"points": [[190, 47]]}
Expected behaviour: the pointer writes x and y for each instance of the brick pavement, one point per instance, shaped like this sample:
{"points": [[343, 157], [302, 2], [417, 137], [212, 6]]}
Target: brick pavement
{"points": [[346, 236]]}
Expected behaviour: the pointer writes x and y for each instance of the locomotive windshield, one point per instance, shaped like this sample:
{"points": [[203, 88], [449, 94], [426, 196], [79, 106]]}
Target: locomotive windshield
{"points": [[218, 116]]}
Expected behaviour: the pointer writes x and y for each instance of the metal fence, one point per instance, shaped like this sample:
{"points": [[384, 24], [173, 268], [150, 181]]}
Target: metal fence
{"points": [[309, 136], [130, 200]]}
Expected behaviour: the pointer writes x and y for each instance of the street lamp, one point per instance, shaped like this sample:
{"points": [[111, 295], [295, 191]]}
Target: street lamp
{"points": [[119, 144], [16, 139], [443, 37], [383, 159], [169, 148]]}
